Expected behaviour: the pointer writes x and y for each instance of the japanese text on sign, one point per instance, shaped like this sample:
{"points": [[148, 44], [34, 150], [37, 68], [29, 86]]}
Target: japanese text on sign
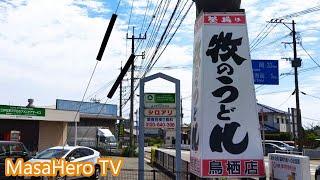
{"points": [[160, 122], [220, 135], [232, 167], [224, 19], [160, 112]]}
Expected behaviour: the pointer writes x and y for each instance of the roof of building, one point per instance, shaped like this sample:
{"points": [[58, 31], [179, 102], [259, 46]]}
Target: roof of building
{"points": [[87, 107], [268, 109]]}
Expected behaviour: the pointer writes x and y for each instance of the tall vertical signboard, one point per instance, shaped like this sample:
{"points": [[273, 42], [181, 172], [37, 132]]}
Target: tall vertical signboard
{"points": [[225, 136], [160, 110]]}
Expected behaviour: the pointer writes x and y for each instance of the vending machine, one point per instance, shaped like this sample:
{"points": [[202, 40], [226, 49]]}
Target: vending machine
{"points": [[12, 136]]}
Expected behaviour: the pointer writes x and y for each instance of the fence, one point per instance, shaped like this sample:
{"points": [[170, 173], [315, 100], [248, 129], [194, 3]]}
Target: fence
{"points": [[166, 162], [130, 174]]}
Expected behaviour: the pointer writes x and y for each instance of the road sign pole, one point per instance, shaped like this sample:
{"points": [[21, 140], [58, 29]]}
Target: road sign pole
{"points": [[141, 132]]}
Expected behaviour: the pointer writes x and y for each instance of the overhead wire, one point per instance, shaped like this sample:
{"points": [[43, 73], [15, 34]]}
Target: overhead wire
{"points": [[149, 62], [130, 15], [117, 7], [285, 101], [263, 37], [310, 56], [163, 34], [300, 13], [316, 97], [84, 95], [170, 38]]}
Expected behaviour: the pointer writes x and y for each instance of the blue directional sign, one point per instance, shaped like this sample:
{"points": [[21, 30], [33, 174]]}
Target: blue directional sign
{"points": [[265, 72]]}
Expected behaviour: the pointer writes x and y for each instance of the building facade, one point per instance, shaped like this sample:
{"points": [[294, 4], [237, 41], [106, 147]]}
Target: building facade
{"points": [[37, 128]]}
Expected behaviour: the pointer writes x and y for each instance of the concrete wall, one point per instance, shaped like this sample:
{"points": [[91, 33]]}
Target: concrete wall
{"points": [[51, 134]]}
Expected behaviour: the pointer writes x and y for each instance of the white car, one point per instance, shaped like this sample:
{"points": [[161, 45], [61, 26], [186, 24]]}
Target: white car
{"points": [[71, 154], [282, 144]]}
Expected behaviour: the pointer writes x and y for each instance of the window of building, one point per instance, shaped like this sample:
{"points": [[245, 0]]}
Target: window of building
{"points": [[278, 120]]}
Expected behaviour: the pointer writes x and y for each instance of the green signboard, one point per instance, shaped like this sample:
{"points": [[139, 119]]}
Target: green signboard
{"points": [[21, 111], [121, 129], [160, 98]]}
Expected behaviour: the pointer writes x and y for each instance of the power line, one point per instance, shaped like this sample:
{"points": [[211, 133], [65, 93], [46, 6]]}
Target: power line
{"points": [[272, 42], [117, 7], [316, 97], [130, 16], [259, 34], [163, 34], [310, 118], [310, 56], [285, 101], [84, 95], [300, 13], [149, 67], [274, 92], [262, 38]]}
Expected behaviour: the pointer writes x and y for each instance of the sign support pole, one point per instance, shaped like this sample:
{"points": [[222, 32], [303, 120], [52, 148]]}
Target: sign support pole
{"points": [[141, 132], [178, 133]]}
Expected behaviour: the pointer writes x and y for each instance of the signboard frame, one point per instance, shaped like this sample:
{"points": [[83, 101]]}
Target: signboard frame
{"points": [[142, 117]]}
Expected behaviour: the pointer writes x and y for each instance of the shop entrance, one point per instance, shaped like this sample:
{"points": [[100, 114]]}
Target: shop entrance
{"points": [[29, 132]]}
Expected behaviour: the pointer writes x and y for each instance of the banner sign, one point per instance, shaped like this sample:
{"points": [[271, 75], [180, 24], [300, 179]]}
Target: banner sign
{"points": [[160, 122], [160, 112], [287, 166], [18, 112], [160, 98], [265, 72], [225, 136]]}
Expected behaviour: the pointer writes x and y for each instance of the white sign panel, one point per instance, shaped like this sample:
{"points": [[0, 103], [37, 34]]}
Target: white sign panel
{"points": [[226, 140], [286, 166], [160, 112], [160, 105], [160, 122]]}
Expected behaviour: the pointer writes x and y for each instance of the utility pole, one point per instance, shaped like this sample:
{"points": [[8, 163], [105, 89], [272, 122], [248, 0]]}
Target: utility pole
{"points": [[263, 133], [120, 113], [293, 116], [296, 62], [132, 89]]}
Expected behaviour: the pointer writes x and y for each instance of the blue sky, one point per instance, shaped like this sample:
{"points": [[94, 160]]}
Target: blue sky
{"points": [[48, 50]]}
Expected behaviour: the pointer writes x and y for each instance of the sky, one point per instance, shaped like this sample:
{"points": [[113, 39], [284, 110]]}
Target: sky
{"points": [[48, 50]]}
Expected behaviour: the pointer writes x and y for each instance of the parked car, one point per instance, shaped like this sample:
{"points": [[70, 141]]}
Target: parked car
{"points": [[13, 150], [71, 154], [282, 144], [317, 173], [272, 148]]}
